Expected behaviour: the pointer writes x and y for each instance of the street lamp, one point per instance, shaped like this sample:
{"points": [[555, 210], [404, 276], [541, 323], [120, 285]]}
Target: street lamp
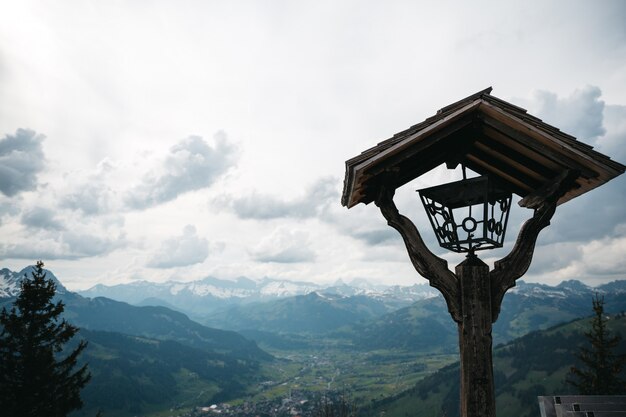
{"points": [[513, 152], [468, 215]]}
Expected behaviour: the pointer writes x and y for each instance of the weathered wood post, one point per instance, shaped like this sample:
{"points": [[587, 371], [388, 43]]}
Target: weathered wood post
{"points": [[497, 140], [477, 386]]}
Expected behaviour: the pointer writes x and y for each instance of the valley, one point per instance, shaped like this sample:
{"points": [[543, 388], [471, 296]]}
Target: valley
{"points": [[385, 350]]}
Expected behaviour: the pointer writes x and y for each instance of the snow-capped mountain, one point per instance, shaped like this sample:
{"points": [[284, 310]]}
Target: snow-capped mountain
{"points": [[10, 281], [205, 296], [213, 288], [566, 289]]}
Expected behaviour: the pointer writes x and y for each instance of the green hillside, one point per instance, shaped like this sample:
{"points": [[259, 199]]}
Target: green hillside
{"points": [[157, 323], [132, 375], [303, 314], [426, 325], [536, 364]]}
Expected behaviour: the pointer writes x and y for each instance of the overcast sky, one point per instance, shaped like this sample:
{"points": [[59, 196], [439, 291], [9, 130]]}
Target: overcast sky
{"points": [[172, 140]]}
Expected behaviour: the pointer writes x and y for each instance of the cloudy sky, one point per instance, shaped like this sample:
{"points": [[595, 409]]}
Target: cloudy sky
{"points": [[172, 140]]}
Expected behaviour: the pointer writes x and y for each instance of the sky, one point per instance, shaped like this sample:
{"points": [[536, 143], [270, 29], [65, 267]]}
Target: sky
{"points": [[175, 140]]}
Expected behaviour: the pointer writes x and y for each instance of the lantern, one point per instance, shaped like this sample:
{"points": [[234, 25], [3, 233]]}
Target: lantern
{"points": [[468, 215]]}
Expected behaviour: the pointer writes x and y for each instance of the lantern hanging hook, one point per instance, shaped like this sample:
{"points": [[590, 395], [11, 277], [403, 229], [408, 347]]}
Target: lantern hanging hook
{"points": [[463, 170]]}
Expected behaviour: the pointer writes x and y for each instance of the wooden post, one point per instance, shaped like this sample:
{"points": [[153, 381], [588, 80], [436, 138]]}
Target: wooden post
{"points": [[475, 341]]}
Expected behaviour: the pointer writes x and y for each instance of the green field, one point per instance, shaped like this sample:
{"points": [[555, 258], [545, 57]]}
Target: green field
{"points": [[366, 376]]}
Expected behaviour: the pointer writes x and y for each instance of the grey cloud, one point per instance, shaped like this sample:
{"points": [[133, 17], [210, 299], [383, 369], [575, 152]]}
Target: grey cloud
{"points": [[8, 207], [287, 256], [86, 245], [192, 164], [284, 246], [579, 115], [40, 249], [366, 224], [583, 114], [597, 260], [92, 196], [378, 236], [552, 257], [64, 245], [21, 159], [41, 218], [91, 199], [187, 249], [591, 216], [614, 142], [264, 207]]}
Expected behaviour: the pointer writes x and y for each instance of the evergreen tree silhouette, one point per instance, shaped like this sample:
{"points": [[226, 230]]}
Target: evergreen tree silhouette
{"points": [[602, 367], [35, 380]]}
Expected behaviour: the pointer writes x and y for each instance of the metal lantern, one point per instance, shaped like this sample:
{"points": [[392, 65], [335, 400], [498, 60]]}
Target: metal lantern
{"points": [[468, 215]]}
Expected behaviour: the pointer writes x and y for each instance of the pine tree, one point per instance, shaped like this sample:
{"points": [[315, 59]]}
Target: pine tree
{"points": [[35, 379], [602, 367]]}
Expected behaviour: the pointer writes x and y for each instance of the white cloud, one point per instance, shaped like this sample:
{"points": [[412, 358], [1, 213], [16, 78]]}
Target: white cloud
{"points": [[316, 198], [284, 245], [605, 257], [91, 194], [187, 249], [191, 164]]}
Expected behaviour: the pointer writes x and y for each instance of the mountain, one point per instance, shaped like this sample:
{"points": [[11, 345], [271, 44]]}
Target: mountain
{"points": [[204, 297], [199, 298], [525, 308], [159, 323], [302, 314], [423, 326], [134, 375], [10, 281], [535, 364]]}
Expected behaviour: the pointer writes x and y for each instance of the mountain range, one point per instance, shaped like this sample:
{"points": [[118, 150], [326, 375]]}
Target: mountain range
{"points": [[525, 308], [369, 316], [204, 297], [151, 356]]}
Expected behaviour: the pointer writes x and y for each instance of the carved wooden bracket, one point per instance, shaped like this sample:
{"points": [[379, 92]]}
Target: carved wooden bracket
{"points": [[427, 264], [508, 269]]}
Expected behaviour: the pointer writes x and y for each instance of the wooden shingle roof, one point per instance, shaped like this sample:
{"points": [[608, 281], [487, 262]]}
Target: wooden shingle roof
{"points": [[491, 137]]}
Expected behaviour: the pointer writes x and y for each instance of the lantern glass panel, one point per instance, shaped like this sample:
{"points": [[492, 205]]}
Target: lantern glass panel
{"points": [[468, 215]]}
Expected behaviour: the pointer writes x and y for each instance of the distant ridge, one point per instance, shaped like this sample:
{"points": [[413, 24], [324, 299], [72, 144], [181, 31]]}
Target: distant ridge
{"points": [[525, 308], [204, 297]]}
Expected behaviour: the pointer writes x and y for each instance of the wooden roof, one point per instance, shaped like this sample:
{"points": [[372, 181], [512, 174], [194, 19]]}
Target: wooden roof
{"points": [[487, 135]]}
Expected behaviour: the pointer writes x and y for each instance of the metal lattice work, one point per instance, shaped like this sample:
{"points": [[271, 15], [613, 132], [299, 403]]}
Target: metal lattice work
{"points": [[468, 215]]}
